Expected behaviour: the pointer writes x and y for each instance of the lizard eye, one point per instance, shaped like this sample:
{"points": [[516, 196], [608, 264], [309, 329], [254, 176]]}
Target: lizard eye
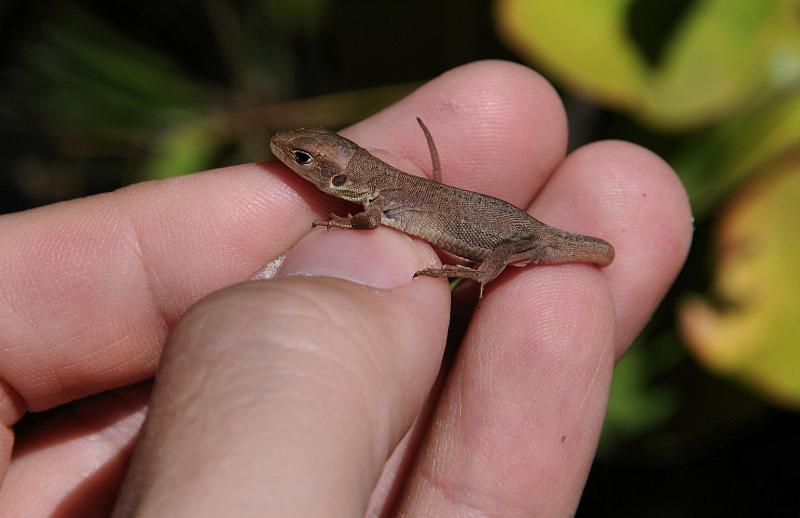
{"points": [[301, 157], [338, 180]]}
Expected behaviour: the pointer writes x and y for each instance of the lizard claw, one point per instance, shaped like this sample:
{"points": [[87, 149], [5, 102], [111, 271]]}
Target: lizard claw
{"points": [[424, 271]]}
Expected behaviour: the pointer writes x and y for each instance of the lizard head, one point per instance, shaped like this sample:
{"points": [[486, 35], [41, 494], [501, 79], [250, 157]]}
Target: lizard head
{"points": [[318, 155]]}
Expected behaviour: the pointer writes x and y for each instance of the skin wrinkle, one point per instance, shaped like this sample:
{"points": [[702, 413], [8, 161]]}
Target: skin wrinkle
{"points": [[62, 374], [137, 354], [455, 496], [326, 316], [300, 403], [195, 317], [28, 353], [244, 301], [529, 428], [344, 380], [198, 323], [11, 313], [288, 194], [149, 276], [77, 363], [600, 366], [12, 350], [532, 424], [357, 337], [50, 375], [361, 401], [311, 307], [390, 339], [394, 335], [306, 399], [368, 349], [603, 364], [487, 444]]}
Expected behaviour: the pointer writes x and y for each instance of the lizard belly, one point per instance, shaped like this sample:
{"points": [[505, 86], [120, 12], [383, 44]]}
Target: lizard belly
{"points": [[439, 239]]}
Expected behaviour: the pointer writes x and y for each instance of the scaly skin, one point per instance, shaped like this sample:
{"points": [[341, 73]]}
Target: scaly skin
{"points": [[468, 224]]}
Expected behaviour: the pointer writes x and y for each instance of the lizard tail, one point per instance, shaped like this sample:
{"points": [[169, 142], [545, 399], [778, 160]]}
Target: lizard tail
{"points": [[576, 248]]}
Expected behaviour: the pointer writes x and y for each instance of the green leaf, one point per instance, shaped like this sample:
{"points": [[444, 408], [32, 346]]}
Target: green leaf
{"points": [[582, 42], [724, 55], [715, 163], [719, 58], [636, 404]]}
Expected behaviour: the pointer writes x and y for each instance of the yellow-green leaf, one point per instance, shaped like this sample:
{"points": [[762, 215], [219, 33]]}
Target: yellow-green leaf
{"points": [[583, 42], [718, 59], [753, 334], [723, 55], [711, 165]]}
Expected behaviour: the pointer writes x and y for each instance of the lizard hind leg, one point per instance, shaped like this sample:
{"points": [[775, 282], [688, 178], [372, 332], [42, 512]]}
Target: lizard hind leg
{"points": [[489, 269], [456, 272]]}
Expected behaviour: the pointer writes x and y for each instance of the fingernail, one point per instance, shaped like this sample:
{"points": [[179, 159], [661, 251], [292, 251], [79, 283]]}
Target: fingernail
{"points": [[382, 258]]}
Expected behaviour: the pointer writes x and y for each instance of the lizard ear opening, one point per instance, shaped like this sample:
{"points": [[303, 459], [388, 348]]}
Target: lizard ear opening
{"points": [[338, 180], [301, 157]]}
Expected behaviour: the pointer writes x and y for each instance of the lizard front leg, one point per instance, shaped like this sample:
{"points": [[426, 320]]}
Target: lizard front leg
{"points": [[366, 220]]}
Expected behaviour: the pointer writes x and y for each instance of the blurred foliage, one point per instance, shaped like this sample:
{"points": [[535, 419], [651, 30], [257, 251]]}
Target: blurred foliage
{"points": [[88, 88], [754, 334], [96, 95], [636, 402], [722, 55], [715, 163], [724, 84]]}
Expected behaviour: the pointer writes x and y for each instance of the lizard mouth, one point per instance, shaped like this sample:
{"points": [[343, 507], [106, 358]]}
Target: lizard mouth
{"points": [[277, 144]]}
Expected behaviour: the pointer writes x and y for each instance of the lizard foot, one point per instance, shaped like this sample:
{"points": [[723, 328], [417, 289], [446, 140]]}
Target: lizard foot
{"points": [[448, 270], [457, 271], [335, 222]]}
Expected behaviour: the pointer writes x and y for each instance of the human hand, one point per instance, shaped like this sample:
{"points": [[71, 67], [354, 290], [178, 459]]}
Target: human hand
{"points": [[288, 396]]}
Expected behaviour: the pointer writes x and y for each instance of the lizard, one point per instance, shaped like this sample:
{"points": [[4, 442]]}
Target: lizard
{"points": [[474, 226]]}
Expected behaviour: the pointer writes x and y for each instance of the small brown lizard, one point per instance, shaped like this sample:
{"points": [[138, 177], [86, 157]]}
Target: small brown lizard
{"points": [[468, 224]]}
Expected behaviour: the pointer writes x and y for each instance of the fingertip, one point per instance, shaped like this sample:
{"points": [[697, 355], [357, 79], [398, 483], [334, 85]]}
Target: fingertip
{"points": [[632, 198], [627, 167], [642, 197]]}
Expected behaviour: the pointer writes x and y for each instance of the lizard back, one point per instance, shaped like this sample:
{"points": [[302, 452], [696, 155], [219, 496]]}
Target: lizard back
{"points": [[443, 215]]}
